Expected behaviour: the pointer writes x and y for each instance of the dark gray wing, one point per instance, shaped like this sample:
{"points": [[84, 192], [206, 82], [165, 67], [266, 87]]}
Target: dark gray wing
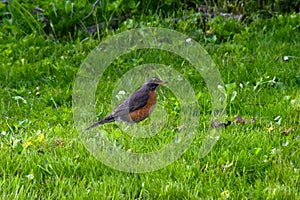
{"points": [[137, 100]]}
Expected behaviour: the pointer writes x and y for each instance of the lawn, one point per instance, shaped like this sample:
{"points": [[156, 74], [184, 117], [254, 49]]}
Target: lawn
{"points": [[257, 156]]}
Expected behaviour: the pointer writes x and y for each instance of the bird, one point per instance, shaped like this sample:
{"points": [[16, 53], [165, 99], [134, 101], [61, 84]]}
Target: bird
{"points": [[137, 106]]}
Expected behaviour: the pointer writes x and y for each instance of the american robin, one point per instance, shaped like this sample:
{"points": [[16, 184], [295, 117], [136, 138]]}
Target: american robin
{"points": [[136, 107]]}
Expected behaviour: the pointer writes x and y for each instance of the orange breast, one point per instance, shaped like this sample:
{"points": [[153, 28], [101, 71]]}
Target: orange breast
{"points": [[144, 112]]}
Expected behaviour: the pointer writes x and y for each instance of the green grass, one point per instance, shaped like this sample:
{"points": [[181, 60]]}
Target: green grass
{"points": [[42, 156]]}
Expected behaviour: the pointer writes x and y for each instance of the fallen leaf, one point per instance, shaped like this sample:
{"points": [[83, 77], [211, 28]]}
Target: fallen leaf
{"points": [[253, 120], [59, 142], [287, 131], [215, 124], [239, 119]]}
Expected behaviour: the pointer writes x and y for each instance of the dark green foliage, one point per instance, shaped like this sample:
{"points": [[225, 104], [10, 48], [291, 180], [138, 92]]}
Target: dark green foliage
{"points": [[67, 19]]}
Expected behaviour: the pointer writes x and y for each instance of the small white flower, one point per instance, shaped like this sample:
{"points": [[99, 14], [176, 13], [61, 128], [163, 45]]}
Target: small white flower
{"points": [[122, 92], [30, 176], [285, 143], [179, 78], [177, 140], [188, 40]]}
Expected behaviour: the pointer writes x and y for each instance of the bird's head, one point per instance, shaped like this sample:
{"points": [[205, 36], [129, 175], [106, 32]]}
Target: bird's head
{"points": [[154, 83]]}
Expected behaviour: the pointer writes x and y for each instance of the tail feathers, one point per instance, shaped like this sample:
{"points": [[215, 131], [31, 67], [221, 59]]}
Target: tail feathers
{"points": [[103, 121]]}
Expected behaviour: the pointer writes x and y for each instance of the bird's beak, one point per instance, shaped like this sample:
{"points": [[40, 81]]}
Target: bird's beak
{"points": [[162, 82]]}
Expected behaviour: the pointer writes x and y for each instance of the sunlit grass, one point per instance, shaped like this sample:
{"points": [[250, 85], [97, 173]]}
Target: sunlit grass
{"points": [[42, 156]]}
